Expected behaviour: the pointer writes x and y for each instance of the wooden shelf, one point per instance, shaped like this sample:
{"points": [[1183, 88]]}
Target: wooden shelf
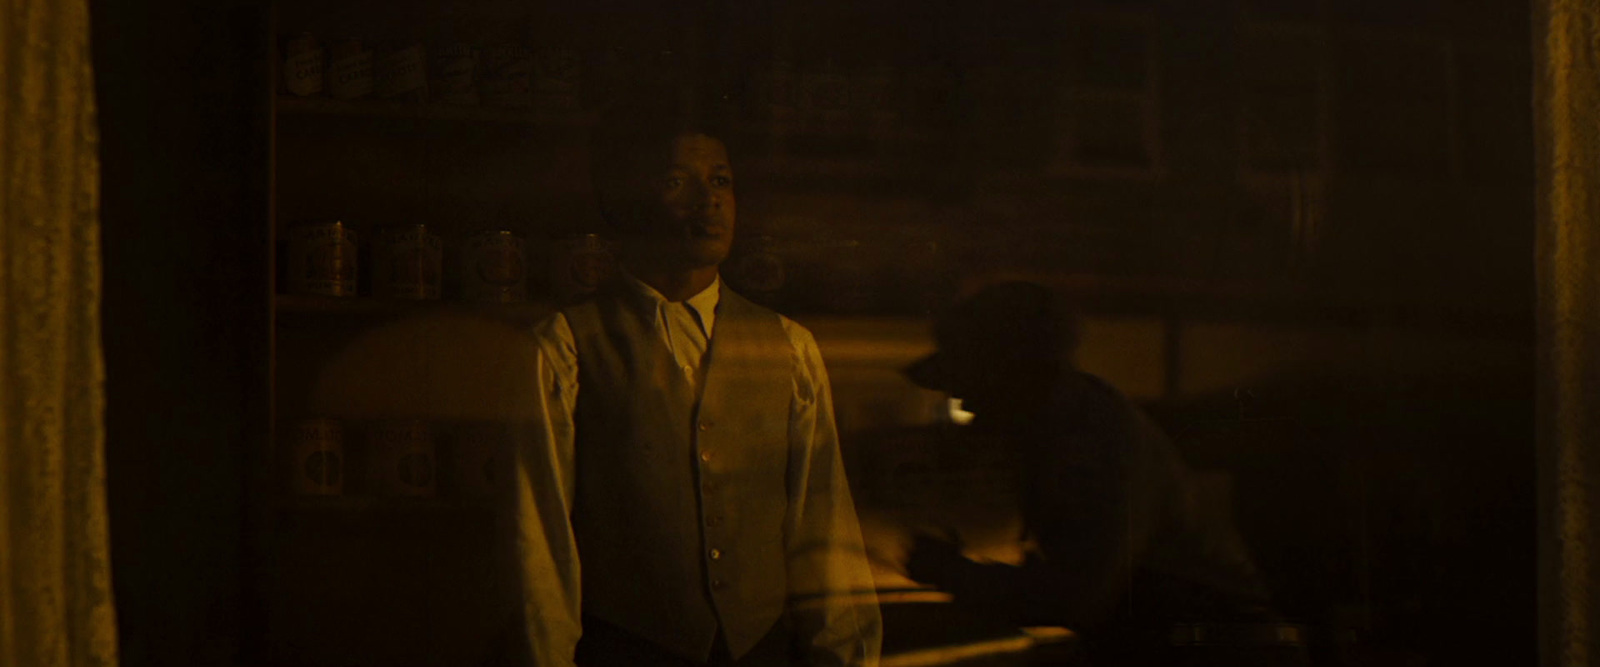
{"points": [[356, 504], [313, 107], [524, 312], [793, 167]]}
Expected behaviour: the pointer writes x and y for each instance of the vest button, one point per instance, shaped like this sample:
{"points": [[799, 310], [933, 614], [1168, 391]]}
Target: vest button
{"points": [[716, 554], [705, 425], [705, 456], [718, 584]]}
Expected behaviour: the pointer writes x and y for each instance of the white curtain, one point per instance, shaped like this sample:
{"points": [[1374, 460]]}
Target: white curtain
{"points": [[55, 573]]}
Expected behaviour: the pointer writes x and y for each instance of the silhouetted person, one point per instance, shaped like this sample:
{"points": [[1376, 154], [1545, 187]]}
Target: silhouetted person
{"points": [[1119, 549], [683, 501]]}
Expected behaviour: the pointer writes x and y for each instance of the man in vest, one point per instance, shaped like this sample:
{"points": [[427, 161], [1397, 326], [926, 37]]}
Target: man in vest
{"points": [[682, 501]]}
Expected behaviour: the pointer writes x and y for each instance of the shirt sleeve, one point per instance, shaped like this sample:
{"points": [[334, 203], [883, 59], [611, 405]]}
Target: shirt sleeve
{"points": [[831, 595], [546, 547]]}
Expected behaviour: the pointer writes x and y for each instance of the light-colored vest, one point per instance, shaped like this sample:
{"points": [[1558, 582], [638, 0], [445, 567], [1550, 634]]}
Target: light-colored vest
{"points": [[681, 499]]}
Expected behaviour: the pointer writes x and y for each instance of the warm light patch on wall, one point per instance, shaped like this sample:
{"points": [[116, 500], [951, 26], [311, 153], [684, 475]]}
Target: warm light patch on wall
{"points": [[1220, 356], [1128, 352], [865, 357], [443, 365]]}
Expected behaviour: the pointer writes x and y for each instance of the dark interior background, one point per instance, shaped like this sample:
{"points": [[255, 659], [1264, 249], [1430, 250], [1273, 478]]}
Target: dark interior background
{"points": [[183, 187], [1357, 173]]}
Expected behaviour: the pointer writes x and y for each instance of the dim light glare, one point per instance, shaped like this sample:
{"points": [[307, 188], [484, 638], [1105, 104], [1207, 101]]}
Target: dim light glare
{"points": [[957, 415]]}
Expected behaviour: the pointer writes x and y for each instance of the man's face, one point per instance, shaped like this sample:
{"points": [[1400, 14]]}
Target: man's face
{"points": [[690, 205]]}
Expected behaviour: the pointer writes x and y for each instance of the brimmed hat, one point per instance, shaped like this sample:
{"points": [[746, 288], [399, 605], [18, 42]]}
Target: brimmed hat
{"points": [[1017, 321]]}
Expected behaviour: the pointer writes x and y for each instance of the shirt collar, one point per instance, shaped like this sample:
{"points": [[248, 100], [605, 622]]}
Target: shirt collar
{"points": [[704, 303]]}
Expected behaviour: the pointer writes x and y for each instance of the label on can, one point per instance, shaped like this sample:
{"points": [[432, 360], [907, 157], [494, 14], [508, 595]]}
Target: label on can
{"points": [[495, 267], [555, 80], [303, 66], [406, 263], [558, 70], [455, 71], [316, 457], [403, 456], [403, 72], [481, 459], [508, 76], [580, 265], [350, 71], [322, 260]]}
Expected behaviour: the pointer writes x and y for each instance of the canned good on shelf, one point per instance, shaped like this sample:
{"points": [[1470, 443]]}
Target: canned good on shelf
{"points": [[481, 459], [304, 64], [555, 80], [407, 262], [316, 457], [403, 458], [494, 267], [350, 71], [402, 73], [579, 265], [455, 75], [322, 259], [508, 76]]}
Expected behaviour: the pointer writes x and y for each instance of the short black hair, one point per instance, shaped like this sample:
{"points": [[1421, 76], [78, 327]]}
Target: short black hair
{"points": [[637, 133]]}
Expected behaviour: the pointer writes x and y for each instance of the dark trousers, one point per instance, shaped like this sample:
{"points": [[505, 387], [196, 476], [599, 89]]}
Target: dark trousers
{"points": [[606, 645]]}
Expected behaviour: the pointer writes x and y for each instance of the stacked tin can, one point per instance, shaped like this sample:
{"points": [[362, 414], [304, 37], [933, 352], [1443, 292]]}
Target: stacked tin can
{"points": [[480, 459], [402, 458], [407, 263], [579, 264], [536, 74], [508, 76], [304, 65], [316, 458], [323, 259], [494, 267], [350, 70], [400, 72], [454, 75]]}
